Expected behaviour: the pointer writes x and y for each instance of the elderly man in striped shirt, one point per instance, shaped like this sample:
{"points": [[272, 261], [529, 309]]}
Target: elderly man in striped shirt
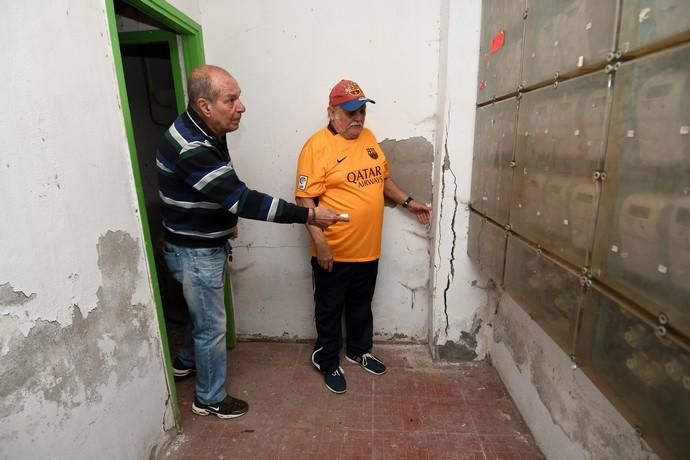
{"points": [[202, 198]]}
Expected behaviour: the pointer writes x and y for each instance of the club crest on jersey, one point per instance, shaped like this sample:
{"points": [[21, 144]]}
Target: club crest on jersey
{"points": [[302, 182], [372, 153]]}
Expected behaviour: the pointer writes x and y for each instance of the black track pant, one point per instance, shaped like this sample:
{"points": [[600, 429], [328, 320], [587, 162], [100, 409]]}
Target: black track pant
{"points": [[350, 287]]}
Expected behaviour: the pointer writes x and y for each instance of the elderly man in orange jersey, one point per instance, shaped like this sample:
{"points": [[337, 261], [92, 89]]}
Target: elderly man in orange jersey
{"points": [[342, 167]]}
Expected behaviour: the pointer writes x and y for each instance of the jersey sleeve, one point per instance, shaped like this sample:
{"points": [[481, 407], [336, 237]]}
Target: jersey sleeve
{"points": [[310, 180]]}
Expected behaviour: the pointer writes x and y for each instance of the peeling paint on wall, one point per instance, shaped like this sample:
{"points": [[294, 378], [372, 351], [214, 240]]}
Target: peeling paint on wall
{"points": [[10, 297], [68, 365], [409, 164], [465, 347]]}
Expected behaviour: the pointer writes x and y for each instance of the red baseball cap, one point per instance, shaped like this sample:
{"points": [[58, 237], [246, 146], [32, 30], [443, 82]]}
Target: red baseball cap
{"points": [[348, 95]]}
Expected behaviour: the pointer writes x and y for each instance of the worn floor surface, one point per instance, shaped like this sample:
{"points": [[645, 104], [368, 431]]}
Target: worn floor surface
{"points": [[417, 410]]}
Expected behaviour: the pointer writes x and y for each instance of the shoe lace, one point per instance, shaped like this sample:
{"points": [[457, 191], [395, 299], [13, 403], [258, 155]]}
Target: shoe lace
{"points": [[365, 356]]}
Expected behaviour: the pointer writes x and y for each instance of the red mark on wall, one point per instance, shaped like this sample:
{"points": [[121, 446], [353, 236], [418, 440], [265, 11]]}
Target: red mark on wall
{"points": [[498, 41]]}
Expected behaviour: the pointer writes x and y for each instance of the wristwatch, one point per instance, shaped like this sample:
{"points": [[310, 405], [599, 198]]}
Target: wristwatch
{"points": [[407, 202]]}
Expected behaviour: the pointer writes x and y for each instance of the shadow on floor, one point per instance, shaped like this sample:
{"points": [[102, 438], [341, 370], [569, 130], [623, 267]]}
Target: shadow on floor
{"points": [[417, 410]]}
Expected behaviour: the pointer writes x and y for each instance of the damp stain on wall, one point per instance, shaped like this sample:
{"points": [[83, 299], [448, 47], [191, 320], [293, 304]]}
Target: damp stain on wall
{"points": [[464, 349], [10, 297], [70, 365]]}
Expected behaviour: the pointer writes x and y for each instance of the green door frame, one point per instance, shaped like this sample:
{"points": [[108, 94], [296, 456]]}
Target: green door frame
{"points": [[193, 52]]}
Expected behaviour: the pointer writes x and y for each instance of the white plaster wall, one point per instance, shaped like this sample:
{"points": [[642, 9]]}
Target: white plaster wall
{"points": [[68, 203], [458, 302], [286, 57]]}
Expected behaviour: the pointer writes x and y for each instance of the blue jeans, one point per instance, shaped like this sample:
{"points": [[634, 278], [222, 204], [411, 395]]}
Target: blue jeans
{"points": [[201, 271]]}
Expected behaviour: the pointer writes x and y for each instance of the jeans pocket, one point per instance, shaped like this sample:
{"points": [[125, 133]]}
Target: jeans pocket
{"points": [[207, 253]]}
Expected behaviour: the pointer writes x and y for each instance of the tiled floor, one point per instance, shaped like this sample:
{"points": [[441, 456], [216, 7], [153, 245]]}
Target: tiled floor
{"points": [[417, 410]]}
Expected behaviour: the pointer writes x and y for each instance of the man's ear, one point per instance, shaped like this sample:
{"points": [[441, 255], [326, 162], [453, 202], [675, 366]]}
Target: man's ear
{"points": [[331, 112], [203, 107]]}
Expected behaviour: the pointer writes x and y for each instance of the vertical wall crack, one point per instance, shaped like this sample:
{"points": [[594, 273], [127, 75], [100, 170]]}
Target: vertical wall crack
{"points": [[446, 167]]}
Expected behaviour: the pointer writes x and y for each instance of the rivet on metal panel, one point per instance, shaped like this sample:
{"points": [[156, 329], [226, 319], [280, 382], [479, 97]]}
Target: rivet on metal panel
{"points": [[513, 163], [588, 283], [663, 319], [661, 331], [588, 25], [638, 431], [618, 54], [603, 176], [525, 13], [583, 281], [580, 61], [630, 133], [616, 66], [573, 362], [608, 68], [507, 227], [610, 56], [584, 270], [684, 130], [555, 84], [556, 75], [596, 176], [524, 171]]}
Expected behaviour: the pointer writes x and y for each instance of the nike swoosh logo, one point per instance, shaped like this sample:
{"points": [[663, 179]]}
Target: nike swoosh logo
{"points": [[214, 408], [339, 161]]}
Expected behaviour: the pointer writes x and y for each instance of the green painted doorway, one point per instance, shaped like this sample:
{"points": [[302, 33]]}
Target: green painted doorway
{"points": [[154, 47]]}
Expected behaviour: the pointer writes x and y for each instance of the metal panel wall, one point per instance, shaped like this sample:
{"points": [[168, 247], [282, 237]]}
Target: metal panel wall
{"points": [[486, 246], [492, 170], [550, 294], [598, 247], [560, 144], [492, 250], [643, 238], [566, 37], [649, 374], [647, 23], [500, 49]]}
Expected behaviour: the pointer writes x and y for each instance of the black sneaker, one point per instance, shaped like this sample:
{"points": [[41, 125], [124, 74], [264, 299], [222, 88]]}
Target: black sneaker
{"points": [[369, 362], [335, 381], [228, 408], [180, 370], [313, 358]]}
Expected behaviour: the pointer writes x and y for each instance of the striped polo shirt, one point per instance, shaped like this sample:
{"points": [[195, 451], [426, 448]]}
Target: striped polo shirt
{"points": [[201, 195]]}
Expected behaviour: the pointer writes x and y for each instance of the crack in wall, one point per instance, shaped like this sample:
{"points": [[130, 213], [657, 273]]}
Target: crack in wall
{"points": [[451, 275]]}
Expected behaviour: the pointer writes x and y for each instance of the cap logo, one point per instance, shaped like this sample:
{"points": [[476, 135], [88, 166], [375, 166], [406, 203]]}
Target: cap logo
{"points": [[353, 89]]}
